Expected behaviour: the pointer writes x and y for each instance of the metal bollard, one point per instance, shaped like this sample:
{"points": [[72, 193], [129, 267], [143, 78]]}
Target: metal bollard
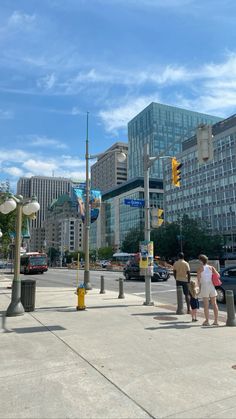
{"points": [[231, 321], [180, 305], [121, 288], [102, 289]]}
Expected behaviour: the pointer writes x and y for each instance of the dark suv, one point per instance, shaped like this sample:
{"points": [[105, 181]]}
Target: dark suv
{"points": [[228, 278], [132, 270]]}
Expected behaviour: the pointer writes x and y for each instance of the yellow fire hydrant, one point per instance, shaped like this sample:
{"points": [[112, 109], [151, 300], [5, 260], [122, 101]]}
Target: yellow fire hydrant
{"points": [[81, 295]]}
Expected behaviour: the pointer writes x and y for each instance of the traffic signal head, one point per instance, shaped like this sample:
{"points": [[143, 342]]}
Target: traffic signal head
{"points": [[160, 216], [176, 173]]}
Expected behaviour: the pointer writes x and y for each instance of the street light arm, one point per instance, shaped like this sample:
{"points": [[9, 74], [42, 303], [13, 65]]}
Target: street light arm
{"points": [[97, 156], [152, 160]]}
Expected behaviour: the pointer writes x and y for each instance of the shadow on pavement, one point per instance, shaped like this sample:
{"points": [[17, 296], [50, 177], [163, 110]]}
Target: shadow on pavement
{"points": [[156, 313], [37, 329], [171, 326]]}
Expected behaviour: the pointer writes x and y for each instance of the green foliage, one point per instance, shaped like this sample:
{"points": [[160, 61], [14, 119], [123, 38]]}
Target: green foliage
{"points": [[195, 239], [74, 256], [53, 254], [105, 252], [132, 239]]}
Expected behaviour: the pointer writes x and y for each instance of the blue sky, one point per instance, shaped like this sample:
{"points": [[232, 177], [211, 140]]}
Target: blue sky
{"points": [[62, 58]]}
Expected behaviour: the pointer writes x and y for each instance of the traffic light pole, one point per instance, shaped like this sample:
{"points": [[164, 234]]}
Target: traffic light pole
{"points": [[146, 165]]}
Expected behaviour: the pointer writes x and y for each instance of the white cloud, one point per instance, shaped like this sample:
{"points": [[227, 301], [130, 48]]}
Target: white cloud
{"points": [[118, 117], [40, 167], [6, 114], [75, 111], [15, 155], [20, 19], [17, 163], [39, 141], [47, 82], [68, 161], [13, 171]]}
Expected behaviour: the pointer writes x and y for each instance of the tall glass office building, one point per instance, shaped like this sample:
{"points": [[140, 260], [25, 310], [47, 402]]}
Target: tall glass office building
{"points": [[161, 126]]}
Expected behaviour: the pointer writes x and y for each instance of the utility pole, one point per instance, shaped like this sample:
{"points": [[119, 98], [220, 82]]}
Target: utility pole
{"points": [[148, 301]]}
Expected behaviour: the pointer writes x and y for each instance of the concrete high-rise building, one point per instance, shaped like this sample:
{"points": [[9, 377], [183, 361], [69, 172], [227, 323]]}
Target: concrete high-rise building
{"points": [[161, 126], [63, 226], [208, 190], [46, 189], [108, 172]]}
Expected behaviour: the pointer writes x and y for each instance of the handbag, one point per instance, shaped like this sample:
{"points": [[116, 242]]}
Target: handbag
{"points": [[216, 279]]}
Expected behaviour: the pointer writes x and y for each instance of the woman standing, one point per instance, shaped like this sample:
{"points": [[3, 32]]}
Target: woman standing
{"points": [[204, 277]]}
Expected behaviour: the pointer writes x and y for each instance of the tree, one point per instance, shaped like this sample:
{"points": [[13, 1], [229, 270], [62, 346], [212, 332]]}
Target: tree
{"points": [[132, 239], [194, 236], [105, 252]]}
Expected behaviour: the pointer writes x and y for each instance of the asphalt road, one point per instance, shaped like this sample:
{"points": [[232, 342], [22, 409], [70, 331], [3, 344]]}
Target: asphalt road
{"points": [[162, 292]]}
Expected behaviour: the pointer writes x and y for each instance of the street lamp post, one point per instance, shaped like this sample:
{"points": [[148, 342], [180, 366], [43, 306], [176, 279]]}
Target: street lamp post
{"points": [[147, 163], [146, 166], [87, 217], [28, 207], [121, 159]]}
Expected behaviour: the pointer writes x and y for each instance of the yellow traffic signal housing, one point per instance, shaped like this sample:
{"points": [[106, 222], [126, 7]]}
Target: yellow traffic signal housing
{"points": [[160, 216], [176, 173]]}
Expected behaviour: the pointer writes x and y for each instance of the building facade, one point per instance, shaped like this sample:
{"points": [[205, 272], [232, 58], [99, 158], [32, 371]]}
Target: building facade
{"points": [[63, 226], [46, 189], [108, 172], [116, 219], [207, 191], [164, 128]]}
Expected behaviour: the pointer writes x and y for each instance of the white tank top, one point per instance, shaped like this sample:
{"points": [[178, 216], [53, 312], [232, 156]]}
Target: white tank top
{"points": [[206, 274]]}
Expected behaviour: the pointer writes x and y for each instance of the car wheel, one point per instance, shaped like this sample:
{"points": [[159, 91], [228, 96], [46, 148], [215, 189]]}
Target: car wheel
{"points": [[220, 295]]}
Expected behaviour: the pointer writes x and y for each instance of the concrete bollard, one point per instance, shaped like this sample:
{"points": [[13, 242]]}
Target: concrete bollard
{"points": [[231, 321], [102, 289], [180, 304], [121, 288]]}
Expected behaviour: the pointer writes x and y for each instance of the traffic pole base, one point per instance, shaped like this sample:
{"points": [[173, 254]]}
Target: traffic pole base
{"points": [[80, 308], [150, 303]]}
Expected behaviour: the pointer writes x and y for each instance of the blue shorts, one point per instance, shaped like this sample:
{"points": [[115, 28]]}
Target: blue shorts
{"points": [[194, 303]]}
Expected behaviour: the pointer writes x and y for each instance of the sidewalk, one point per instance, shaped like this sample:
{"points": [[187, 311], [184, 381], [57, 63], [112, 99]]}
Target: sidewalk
{"points": [[117, 359]]}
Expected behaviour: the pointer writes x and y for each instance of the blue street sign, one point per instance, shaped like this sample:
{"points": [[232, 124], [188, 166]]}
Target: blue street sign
{"points": [[137, 203]]}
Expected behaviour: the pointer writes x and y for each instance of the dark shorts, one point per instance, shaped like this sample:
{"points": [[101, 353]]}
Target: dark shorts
{"points": [[184, 285], [194, 303]]}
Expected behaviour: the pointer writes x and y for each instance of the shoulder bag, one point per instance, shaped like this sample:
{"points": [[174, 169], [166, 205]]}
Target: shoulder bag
{"points": [[215, 278]]}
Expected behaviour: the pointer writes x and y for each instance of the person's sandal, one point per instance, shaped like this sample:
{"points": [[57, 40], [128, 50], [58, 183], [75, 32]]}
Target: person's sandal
{"points": [[205, 323], [215, 324]]}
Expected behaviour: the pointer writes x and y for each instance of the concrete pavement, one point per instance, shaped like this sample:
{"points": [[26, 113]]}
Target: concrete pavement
{"points": [[117, 359]]}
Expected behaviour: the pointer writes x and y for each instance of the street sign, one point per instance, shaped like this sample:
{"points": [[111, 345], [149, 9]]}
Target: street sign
{"points": [[138, 203]]}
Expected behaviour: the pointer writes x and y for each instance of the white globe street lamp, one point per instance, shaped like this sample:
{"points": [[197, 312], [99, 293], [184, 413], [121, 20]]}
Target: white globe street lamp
{"points": [[8, 204]]}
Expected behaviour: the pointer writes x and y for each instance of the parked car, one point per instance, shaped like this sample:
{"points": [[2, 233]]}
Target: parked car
{"points": [[132, 270], [104, 263], [3, 264], [228, 278]]}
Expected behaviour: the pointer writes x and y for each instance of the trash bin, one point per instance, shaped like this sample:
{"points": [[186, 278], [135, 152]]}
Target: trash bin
{"points": [[28, 287]]}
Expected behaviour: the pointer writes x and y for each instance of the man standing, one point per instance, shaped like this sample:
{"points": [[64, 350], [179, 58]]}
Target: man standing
{"points": [[182, 275]]}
